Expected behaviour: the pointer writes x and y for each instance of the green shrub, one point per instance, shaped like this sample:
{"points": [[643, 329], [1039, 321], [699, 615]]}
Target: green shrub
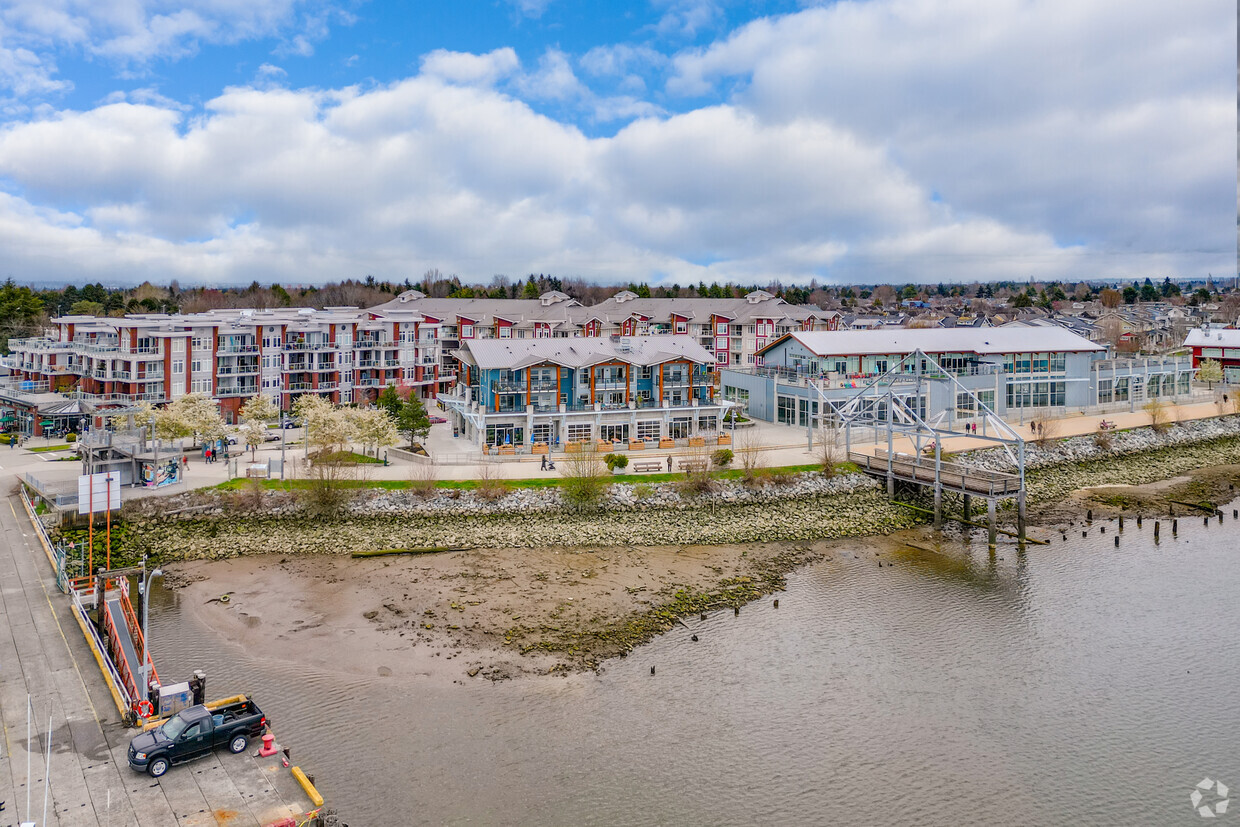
{"points": [[615, 461], [71, 437], [722, 458]]}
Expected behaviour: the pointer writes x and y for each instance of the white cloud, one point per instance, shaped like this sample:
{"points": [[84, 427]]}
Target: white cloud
{"points": [[621, 59], [906, 140], [1110, 123], [133, 33], [470, 69]]}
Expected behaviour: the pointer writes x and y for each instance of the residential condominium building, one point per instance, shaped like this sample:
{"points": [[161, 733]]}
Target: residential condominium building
{"points": [[349, 354], [342, 353], [1012, 371], [731, 330], [523, 395]]}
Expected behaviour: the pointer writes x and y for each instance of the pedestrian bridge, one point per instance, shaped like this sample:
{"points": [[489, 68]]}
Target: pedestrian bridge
{"points": [[950, 476]]}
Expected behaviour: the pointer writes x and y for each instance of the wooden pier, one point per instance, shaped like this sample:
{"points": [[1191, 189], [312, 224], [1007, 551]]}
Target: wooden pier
{"points": [[44, 655], [942, 475]]}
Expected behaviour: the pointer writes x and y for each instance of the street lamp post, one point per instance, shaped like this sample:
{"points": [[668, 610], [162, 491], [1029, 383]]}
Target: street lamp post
{"points": [[282, 429], [146, 627]]}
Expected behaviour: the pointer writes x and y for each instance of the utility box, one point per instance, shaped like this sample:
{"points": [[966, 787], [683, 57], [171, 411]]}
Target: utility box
{"points": [[175, 697]]}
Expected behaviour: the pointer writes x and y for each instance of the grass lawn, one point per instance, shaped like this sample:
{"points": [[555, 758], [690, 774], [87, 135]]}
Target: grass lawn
{"points": [[542, 482], [44, 448]]}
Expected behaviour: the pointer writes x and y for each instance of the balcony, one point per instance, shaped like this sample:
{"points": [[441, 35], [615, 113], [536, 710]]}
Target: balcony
{"points": [[233, 350], [368, 363], [391, 363], [238, 370], [237, 390], [314, 344], [152, 350], [99, 347]]}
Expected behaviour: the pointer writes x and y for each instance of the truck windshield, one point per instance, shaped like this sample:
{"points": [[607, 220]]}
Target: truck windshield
{"points": [[173, 729]]}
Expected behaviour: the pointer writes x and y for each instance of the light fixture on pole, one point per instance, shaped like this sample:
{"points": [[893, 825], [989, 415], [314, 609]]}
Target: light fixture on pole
{"points": [[146, 627]]}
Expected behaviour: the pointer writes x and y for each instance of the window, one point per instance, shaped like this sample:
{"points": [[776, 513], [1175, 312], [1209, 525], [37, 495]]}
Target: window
{"points": [[648, 429], [178, 345], [467, 331], [1105, 391], [678, 428], [579, 433], [732, 394], [346, 396], [505, 332], [721, 343], [178, 366], [1059, 362], [202, 343], [786, 410], [1121, 389], [721, 328], [1185, 382], [201, 386], [195, 366], [682, 327], [345, 340], [964, 406], [986, 398]]}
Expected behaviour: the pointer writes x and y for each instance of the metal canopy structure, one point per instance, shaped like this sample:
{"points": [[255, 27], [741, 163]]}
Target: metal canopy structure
{"points": [[895, 402]]}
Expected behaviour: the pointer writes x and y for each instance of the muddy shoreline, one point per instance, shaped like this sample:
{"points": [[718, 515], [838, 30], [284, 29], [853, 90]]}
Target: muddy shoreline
{"points": [[498, 613]]}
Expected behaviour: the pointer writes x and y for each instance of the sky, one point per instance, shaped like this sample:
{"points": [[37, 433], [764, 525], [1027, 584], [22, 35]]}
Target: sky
{"points": [[666, 141]]}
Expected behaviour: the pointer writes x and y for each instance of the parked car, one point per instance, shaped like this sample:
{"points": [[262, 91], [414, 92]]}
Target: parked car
{"points": [[435, 420], [196, 732], [292, 423], [269, 437]]}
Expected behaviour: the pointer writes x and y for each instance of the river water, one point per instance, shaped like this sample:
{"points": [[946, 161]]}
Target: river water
{"points": [[1072, 684]]}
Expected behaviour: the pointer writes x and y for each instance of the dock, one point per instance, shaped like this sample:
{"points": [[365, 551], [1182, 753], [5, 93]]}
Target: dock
{"points": [[44, 657]]}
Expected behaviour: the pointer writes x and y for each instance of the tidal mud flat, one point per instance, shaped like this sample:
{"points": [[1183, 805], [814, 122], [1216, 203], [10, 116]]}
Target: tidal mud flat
{"points": [[546, 591]]}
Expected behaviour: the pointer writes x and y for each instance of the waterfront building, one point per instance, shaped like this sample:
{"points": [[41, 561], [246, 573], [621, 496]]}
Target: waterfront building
{"points": [[1015, 371], [350, 354], [532, 395], [1220, 344]]}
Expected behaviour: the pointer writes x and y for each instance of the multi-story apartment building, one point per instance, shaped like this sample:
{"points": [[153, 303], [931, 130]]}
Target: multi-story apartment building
{"points": [[526, 394], [1217, 343], [731, 330], [346, 354], [350, 354]]}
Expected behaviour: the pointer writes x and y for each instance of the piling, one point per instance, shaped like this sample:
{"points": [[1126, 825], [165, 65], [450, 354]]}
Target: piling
{"points": [[1121, 522], [1117, 542], [1089, 515], [1175, 527], [1157, 525], [1138, 521]]}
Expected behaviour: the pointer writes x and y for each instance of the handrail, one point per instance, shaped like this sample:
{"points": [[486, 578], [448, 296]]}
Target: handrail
{"points": [[136, 631], [128, 683]]}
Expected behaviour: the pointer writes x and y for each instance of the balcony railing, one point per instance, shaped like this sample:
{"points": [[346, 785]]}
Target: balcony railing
{"points": [[238, 370], [308, 345]]}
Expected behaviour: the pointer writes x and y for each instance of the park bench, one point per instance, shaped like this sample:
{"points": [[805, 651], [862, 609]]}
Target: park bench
{"points": [[648, 465], [692, 465]]}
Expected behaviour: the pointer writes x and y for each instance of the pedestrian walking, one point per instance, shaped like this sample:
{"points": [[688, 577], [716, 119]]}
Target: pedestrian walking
{"points": [[669, 463], [544, 462]]}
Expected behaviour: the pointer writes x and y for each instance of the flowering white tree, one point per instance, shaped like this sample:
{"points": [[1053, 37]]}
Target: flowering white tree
{"points": [[255, 414], [328, 428], [373, 427], [196, 415]]}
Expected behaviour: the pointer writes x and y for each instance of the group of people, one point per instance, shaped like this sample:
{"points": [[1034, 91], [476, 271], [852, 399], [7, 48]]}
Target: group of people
{"points": [[208, 453], [970, 427]]}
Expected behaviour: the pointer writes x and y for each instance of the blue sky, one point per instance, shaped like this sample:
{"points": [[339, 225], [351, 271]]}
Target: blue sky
{"points": [[223, 141]]}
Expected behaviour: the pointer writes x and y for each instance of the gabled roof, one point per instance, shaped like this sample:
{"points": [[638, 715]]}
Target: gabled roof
{"points": [[994, 340], [514, 354], [1213, 337]]}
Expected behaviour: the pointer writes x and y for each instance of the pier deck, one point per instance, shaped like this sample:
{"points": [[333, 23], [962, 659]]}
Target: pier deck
{"points": [[43, 654]]}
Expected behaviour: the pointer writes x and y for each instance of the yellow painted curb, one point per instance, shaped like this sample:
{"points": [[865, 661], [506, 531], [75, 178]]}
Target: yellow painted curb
{"points": [[51, 558], [315, 798]]}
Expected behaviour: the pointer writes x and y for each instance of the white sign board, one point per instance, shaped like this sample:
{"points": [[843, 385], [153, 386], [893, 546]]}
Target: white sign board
{"points": [[99, 492]]}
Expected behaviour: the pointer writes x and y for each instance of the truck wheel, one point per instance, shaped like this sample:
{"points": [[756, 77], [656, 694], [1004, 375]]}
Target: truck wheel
{"points": [[157, 767], [238, 744]]}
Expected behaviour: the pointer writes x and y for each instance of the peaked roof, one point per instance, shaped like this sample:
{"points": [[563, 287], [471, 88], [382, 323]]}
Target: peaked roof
{"points": [[991, 340], [1213, 337], [514, 354]]}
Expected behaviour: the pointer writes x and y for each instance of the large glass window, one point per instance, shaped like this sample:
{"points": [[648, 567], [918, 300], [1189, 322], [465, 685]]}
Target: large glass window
{"points": [[786, 410], [614, 433], [1105, 391], [579, 432], [678, 428], [964, 406], [649, 429]]}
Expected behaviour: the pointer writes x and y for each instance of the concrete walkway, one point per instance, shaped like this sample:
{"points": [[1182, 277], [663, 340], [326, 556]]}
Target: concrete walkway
{"points": [[43, 655], [780, 445]]}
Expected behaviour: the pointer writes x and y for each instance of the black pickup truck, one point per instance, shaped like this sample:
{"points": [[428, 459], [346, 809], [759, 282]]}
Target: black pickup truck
{"points": [[195, 732]]}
